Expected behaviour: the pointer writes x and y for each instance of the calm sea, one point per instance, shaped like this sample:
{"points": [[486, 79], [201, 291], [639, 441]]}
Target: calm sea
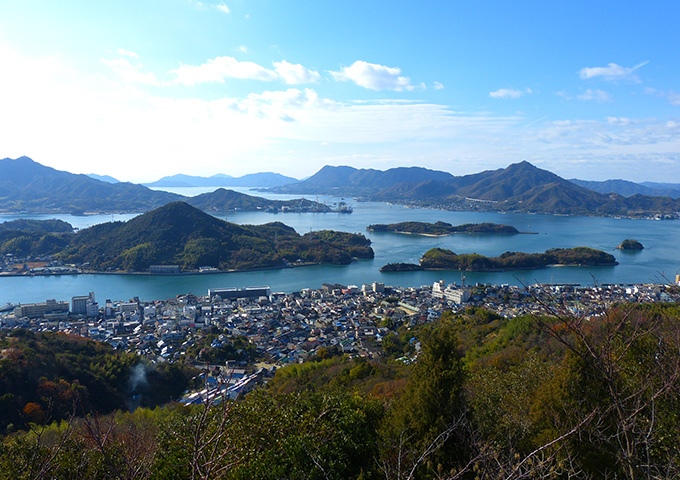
{"points": [[658, 262]]}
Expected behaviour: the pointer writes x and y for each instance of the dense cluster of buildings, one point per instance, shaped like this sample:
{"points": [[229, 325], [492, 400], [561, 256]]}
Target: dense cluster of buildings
{"points": [[290, 328]]}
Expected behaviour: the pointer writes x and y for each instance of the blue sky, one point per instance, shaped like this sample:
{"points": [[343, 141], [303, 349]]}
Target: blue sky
{"points": [[142, 89]]}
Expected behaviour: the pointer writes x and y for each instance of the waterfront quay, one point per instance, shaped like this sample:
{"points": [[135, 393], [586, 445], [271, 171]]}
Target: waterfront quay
{"points": [[291, 328]]}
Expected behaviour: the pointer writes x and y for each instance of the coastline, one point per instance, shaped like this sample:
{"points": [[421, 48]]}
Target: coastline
{"points": [[181, 274], [497, 270]]}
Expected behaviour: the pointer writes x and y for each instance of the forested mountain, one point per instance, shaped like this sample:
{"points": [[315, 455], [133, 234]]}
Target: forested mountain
{"points": [[26, 185], [351, 181], [520, 187], [223, 200], [178, 233], [471, 395], [38, 226]]}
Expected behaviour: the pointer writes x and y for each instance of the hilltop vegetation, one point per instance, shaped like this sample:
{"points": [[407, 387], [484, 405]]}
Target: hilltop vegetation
{"points": [[180, 234], [482, 396], [48, 376], [222, 200], [38, 226], [440, 258], [34, 237], [630, 244]]}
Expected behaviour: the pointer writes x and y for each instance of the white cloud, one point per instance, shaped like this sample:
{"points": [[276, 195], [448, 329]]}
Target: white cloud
{"points": [[83, 118], [222, 8], [438, 86], [220, 68], [599, 96], [374, 77], [294, 74], [509, 93], [612, 72], [130, 73], [217, 69], [623, 121], [127, 53], [243, 49]]}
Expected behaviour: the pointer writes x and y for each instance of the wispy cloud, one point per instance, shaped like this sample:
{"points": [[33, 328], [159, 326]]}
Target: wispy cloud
{"points": [[127, 53], [131, 73], [374, 76], [438, 86], [222, 8], [295, 74], [612, 72], [671, 95], [599, 96], [220, 68], [509, 93]]}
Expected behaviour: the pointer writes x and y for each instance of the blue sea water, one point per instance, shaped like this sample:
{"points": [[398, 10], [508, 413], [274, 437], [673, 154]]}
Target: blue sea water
{"points": [[658, 262]]}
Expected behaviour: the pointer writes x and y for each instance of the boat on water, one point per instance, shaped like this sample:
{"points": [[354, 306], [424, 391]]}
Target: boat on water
{"points": [[344, 208], [7, 307]]}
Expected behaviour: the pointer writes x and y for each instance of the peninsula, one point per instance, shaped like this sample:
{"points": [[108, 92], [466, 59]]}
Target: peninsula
{"points": [[439, 229]]}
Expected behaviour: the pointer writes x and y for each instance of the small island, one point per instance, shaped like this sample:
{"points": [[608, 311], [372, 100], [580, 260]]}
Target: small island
{"points": [[401, 267], [439, 229], [442, 259], [630, 244]]}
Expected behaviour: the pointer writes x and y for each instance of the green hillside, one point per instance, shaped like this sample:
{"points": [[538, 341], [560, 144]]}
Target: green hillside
{"points": [[440, 258], [180, 234]]}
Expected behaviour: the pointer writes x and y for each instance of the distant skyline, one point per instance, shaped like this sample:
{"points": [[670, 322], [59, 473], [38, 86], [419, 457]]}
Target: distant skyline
{"points": [[145, 89]]}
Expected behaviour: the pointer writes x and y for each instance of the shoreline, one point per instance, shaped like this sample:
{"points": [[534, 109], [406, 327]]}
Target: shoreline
{"points": [[501, 270], [437, 235], [181, 274]]}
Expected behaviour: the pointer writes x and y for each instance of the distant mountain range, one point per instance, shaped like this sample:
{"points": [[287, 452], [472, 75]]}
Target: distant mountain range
{"points": [[262, 180], [103, 178], [27, 186], [627, 189], [520, 187], [352, 181]]}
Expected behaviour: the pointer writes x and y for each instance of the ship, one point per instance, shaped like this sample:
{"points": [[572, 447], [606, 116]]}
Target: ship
{"points": [[344, 208]]}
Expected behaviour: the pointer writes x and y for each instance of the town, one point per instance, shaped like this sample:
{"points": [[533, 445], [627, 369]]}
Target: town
{"points": [[281, 329]]}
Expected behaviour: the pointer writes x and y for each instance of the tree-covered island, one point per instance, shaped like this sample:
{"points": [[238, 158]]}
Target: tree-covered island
{"points": [[443, 259], [442, 228], [179, 234], [630, 244]]}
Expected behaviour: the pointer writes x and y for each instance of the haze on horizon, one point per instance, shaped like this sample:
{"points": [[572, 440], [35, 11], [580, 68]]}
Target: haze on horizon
{"points": [[141, 90]]}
